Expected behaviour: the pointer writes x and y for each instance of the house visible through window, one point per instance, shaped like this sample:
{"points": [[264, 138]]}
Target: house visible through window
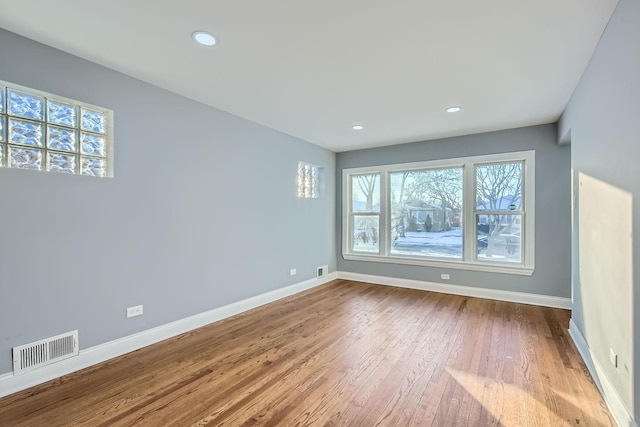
{"points": [[40, 131], [427, 203], [499, 210], [308, 181], [471, 213]]}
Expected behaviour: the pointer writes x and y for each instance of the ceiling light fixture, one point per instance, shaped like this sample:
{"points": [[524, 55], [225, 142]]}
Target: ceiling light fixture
{"points": [[357, 127], [453, 109], [204, 38]]}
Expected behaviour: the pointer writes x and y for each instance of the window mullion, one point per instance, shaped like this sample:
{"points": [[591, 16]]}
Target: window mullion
{"points": [[468, 207], [384, 219]]}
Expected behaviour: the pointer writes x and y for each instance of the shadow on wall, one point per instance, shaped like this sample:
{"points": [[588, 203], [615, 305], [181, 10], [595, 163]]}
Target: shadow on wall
{"points": [[605, 250]]}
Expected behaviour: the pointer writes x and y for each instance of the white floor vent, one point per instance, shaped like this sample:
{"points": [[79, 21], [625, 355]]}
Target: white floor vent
{"points": [[44, 352]]}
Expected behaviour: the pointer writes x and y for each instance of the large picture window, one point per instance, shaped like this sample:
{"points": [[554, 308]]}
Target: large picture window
{"points": [[425, 213], [471, 213]]}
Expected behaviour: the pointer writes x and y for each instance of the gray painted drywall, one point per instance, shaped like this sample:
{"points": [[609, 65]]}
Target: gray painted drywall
{"points": [[202, 212], [602, 120], [553, 226]]}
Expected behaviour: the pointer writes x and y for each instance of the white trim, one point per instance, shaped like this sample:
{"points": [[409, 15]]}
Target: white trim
{"points": [[494, 294], [11, 384], [611, 397], [459, 265], [91, 356]]}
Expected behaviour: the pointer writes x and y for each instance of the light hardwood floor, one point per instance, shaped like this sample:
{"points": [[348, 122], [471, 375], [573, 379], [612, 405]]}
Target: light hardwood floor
{"points": [[342, 354]]}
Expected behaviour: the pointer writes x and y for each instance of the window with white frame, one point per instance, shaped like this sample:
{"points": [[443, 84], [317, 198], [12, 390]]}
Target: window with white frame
{"points": [[40, 131], [471, 213], [308, 181]]}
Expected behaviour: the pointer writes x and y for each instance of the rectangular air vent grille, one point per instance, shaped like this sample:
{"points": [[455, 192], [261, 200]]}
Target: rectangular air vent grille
{"points": [[44, 352]]}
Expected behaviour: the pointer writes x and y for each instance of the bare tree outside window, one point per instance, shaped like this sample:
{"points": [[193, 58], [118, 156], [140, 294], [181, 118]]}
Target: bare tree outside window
{"points": [[473, 213], [368, 184], [425, 213], [499, 210], [365, 190]]}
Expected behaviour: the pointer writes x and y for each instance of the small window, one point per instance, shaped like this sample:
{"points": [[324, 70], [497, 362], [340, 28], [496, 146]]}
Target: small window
{"points": [[308, 181], [365, 213], [40, 131], [499, 211]]}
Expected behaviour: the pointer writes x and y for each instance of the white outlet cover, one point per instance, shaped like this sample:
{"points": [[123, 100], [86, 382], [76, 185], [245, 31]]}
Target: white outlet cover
{"points": [[322, 271], [134, 311]]}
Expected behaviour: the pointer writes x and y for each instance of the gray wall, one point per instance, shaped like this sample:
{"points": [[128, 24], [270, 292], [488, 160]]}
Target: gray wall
{"points": [[202, 212], [602, 120], [553, 226]]}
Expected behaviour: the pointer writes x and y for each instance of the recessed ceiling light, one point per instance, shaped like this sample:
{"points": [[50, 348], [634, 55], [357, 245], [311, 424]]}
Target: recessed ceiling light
{"points": [[453, 109], [357, 127], [204, 38]]}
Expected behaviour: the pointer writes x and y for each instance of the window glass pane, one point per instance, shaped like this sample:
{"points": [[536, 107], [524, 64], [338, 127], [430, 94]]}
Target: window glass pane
{"points": [[93, 145], [25, 158], [2, 129], [93, 167], [314, 184], [93, 121], [308, 180], [3, 150], [365, 233], [26, 105], [365, 190], [62, 114], [499, 187], [425, 213], [25, 133], [2, 98], [301, 178], [63, 163], [61, 139], [499, 238]]}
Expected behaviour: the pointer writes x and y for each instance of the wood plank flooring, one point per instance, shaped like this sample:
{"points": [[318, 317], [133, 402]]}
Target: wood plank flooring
{"points": [[342, 354]]}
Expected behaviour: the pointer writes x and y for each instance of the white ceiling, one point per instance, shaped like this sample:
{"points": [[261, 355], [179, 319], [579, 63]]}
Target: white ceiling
{"points": [[312, 68]]}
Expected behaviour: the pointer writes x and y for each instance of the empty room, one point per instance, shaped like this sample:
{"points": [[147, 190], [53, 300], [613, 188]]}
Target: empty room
{"points": [[297, 213]]}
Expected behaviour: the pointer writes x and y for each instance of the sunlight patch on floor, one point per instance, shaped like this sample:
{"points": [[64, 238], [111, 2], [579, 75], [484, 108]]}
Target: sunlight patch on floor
{"points": [[505, 402]]}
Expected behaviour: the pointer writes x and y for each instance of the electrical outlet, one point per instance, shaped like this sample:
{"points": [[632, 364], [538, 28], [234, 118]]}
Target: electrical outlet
{"points": [[322, 271], [292, 272], [445, 276], [613, 358], [134, 311]]}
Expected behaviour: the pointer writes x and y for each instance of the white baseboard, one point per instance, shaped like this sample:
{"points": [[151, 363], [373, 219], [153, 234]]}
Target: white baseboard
{"points": [[611, 397], [10, 383], [468, 291]]}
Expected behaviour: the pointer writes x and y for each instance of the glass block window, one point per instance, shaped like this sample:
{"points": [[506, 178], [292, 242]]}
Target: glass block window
{"points": [[308, 181], [45, 132]]}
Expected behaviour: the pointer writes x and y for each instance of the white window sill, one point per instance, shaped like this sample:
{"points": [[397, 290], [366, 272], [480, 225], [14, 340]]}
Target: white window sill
{"points": [[460, 265]]}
